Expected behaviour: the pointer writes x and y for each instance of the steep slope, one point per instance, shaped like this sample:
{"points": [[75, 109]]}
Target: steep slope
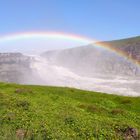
{"points": [[131, 46]]}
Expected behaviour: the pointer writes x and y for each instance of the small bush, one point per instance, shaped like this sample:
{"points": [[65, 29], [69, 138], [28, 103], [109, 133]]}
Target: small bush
{"points": [[117, 112], [69, 120], [22, 91], [82, 106], [126, 101], [23, 104], [72, 90], [93, 108]]}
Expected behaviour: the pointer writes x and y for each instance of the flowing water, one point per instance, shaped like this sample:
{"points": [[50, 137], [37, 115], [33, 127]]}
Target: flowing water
{"points": [[48, 73]]}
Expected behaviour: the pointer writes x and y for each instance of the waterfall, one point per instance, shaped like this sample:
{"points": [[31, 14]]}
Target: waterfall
{"points": [[48, 73]]}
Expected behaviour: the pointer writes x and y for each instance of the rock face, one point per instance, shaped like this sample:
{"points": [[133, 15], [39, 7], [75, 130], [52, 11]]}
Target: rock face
{"points": [[131, 46], [14, 67]]}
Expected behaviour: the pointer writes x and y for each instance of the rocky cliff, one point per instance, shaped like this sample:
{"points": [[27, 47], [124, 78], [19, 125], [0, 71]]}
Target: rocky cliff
{"points": [[130, 46], [14, 67]]}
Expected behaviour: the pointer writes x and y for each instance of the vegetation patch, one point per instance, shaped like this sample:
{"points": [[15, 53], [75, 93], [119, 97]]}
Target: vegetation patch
{"points": [[117, 112], [23, 104], [65, 114], [23, 90], [126, 101]]}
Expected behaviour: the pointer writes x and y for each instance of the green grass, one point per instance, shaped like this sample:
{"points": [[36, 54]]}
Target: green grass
{"points": [[41, 113]]}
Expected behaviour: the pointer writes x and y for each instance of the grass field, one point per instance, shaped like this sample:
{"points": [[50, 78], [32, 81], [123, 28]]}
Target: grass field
{"points": [[45, 113]]}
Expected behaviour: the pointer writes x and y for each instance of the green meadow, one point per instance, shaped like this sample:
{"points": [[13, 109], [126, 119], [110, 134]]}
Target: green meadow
{"points": [[56, 113]]}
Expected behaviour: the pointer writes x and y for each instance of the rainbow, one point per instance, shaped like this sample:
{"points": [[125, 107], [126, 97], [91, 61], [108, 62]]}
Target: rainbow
{"points": [[118, 52], [45, 35], [60, 35]]}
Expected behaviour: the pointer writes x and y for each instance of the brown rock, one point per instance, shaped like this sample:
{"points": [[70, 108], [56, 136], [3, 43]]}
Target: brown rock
{"points": [[131, 134], [20, 133]]}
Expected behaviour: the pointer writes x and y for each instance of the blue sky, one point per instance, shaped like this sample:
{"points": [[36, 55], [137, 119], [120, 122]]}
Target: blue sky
{"points": [[100, 19]]}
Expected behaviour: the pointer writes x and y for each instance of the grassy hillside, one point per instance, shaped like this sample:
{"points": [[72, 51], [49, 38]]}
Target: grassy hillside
{"points": [[41, 113]]}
